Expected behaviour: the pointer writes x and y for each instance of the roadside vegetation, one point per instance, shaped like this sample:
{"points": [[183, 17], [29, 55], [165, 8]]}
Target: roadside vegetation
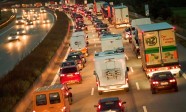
{"points": [[5, 15], [17, 82]]}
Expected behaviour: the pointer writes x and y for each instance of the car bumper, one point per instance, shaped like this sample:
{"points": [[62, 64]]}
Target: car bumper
{"points": [[113, 88]]}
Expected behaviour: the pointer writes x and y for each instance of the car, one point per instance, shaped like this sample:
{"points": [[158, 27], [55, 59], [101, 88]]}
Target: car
{"points": [[81, 55], [77, 58], [70, 74], [69, 63], [46, 21], [98, 21], [29, 22], [78, 17], [101, 26], [21, 31], [111, 104], [19, 20], [163, 80], [13, 36], [82, 26], [103, 31]]}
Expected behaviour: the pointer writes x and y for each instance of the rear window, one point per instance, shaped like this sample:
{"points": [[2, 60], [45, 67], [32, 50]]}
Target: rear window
{"points": [[109, 105], [41, 99], [161, 76], [54, 98], [74, 57], [67, 64], [69, 70]]}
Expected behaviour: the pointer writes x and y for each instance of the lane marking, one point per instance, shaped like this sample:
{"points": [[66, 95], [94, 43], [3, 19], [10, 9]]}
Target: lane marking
{"points": [[184, 75], [131, 69], [144, 109], [92, 91], [126, 57], [57, 74], [137, 85]]}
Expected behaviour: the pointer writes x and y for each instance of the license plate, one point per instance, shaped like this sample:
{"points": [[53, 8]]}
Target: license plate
{"points": [[113, 87], [164, 83], [69, 75]]}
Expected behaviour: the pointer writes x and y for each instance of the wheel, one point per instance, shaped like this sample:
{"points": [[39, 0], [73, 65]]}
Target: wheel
{"points": [[70, 100], [176, 89], [153, 91], [100, 92]]}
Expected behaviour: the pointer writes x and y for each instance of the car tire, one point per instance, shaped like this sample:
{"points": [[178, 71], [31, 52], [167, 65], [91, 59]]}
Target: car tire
{"points": [[153, 91], [100, 92], [70, 100], [176, 89]]}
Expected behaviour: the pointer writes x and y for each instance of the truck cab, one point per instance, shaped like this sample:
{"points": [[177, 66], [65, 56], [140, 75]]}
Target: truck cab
{"points": [[52, 98]]}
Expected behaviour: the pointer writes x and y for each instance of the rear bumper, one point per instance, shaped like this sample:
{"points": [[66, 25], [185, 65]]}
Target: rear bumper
{"points": [[113, 88]]}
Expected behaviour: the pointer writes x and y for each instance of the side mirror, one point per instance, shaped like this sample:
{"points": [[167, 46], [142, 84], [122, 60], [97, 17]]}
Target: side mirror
{"points": [[94, 73], [124, 102], [95, 105], [127, 69]]}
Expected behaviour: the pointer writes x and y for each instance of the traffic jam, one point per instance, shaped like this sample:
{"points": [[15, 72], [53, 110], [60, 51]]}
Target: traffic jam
{"points": [[104, 40]]}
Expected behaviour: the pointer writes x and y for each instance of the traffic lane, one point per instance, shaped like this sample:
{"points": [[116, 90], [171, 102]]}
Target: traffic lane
{"points": [[182, 55], [13, 52]]}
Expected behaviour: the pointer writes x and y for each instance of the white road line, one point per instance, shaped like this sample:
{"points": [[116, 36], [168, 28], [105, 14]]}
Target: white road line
{"points": [[184, 75], [131, 69], [92, 91], [126, 57], [144, 109], [55, 78], [137, 85]]}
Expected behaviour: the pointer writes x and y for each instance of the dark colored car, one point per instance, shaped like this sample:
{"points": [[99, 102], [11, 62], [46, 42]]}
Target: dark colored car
{"points": [[113, 104], [77, 58], [78, 17], [80, 54], [98, 21], [163, 80], [69, 63], [29, 22], [103, 31], [101, 26], [82, 26]]}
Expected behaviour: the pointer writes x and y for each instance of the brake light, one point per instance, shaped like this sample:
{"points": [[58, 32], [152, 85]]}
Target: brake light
{"points": [[97, 83], [77, 73], [62, 75], [172, 80], [99, 106], [127, 79], [155, 82], [79, 61], [120, 104]]}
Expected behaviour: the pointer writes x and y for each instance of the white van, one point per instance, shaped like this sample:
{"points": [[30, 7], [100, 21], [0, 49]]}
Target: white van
{"points": [[78, 42], [111, 71]]}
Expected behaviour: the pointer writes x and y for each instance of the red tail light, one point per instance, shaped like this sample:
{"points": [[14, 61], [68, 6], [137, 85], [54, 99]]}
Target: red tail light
{"points": [[172, 80], [62, 75], [155, 82], [97, 83], [99, 106], [77, 73], [120, 104]]}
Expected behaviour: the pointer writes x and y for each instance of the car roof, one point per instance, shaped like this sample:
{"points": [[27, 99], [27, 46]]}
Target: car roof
{"points": [[109, 99]]}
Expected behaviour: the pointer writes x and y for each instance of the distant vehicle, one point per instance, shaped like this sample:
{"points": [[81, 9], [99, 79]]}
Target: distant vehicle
{"points": [[120, 16], [80, 54], [102, 32], [45, 21], [21, 31], [29, 22], [102, 26], [13, 36], [112, 104], [111, 72], [70, 74], [19, 20], [81, 26], [163, 80], [56, 96], [42, 10], [69, 63], [111, 42]]}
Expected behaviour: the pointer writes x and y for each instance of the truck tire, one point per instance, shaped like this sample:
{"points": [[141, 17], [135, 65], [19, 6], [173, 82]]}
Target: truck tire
{"points": [[100, 92]]}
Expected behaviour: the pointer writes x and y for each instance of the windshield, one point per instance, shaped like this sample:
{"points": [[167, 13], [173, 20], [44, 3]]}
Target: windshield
{"points": [[69, 70]]}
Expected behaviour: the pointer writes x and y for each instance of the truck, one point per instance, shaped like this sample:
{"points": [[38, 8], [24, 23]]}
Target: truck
{"points": [[110, 71], [120, 16], [158, 48], [111, 42], [134, 34], [79, 42]]}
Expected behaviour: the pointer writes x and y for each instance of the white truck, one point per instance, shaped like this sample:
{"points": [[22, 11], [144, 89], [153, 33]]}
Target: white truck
{"points": [[111, 42], [78, 42], [120, 16], [134, 33], [158, 48], [111, 71]]}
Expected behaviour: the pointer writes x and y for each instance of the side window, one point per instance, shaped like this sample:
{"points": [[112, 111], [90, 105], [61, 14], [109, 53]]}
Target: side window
{"points": [[54, 98], [41, 99]]}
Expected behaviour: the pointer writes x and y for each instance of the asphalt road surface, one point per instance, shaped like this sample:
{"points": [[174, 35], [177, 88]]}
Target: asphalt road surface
{"points": [[139, 97], [12, 52]]}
